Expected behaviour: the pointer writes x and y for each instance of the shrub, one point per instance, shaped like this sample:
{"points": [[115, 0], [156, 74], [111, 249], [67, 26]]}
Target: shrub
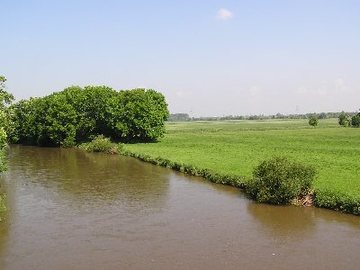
{"points": [[313, 121], [101, 144], [355, 120], [279, 180], [344, 119]]}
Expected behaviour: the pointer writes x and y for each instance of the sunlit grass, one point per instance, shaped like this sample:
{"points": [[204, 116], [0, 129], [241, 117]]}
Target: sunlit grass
{"points": [[236, 147]]}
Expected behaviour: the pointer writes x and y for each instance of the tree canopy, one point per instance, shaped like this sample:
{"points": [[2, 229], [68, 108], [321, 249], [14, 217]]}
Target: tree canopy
{"points": [[346, 120], [78, 114], [5, 125]]}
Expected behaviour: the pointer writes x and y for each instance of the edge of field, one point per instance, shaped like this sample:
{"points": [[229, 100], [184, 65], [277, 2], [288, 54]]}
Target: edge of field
{"points": [[322, 197]]}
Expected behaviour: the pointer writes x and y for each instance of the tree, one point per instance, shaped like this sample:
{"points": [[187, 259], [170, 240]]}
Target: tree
{"points": [[344, 119], [5, 97], [5, 100], [138, 115], [79, 114], [5, 124], [313, 121], [355, 120]]}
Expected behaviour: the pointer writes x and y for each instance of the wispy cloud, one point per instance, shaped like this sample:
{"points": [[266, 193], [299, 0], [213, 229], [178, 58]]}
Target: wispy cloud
{"points": [[224, 14]]}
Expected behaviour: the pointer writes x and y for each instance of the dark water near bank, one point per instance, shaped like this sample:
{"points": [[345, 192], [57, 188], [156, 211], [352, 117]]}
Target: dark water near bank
{"points": [[73, 210]]}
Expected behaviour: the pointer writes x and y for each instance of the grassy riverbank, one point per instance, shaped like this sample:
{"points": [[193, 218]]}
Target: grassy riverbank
{"points": [[228, 151]]}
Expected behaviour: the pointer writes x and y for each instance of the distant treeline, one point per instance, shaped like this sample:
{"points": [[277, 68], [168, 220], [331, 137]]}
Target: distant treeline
{"points": [[324, 115]]}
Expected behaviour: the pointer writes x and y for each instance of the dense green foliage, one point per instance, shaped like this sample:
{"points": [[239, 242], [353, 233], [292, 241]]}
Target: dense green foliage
{"points": [[237, 147], [5, 123], [355, 120], [77, 114], [279, 181], [313, 121], [101, 144], [344, 119]]}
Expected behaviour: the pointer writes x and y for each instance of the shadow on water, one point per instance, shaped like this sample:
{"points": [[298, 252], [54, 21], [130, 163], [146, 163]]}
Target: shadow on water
{"points": [[86, 176], [294, 222], [283, 221]]}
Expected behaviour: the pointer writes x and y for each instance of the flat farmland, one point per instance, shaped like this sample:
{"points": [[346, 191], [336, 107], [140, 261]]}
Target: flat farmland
{"points": [[236, 147]]}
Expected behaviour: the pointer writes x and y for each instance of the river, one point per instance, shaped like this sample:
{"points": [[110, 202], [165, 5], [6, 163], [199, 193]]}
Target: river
{"points": [[68, 209]]}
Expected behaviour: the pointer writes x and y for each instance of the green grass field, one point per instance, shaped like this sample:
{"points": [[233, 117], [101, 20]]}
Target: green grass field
{"points": [[236, 147]]}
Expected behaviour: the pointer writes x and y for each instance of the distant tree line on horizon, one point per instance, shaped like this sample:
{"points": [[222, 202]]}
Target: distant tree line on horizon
{"points": [[323, 115]]}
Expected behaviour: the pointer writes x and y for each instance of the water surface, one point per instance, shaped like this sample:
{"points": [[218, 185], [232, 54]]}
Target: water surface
{"points": [[74, 210]]}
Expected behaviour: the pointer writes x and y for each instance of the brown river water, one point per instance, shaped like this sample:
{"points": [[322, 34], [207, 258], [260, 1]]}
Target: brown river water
{"points": [[74, 210]]}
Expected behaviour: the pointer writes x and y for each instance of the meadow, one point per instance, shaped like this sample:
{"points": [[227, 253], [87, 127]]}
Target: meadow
{"points": [[236, 147]]}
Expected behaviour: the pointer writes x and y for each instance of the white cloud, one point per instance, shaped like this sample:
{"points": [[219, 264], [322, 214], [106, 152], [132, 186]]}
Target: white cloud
{"points": [[224, 14]]}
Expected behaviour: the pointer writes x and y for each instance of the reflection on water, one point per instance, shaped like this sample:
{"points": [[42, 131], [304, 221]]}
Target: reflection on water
{"points": [[80, 176], [284, 222], [73, 210]]}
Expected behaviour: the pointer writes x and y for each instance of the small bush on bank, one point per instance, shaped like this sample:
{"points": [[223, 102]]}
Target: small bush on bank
{"points": [[101, 144], [279, 180]]}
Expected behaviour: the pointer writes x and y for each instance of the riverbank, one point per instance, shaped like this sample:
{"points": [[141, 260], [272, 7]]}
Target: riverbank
{"points": [[226, 152]]}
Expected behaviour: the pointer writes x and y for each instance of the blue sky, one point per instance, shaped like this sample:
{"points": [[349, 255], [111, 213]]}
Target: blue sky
{"points": [[207, 57]]}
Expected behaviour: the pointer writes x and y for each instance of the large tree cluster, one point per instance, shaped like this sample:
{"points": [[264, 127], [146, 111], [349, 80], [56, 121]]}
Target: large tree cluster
{"points": [[78, 114]]}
